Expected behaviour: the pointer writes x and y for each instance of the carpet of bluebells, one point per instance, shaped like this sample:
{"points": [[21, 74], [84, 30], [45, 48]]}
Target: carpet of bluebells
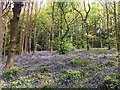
{"points": [[76, 69]]}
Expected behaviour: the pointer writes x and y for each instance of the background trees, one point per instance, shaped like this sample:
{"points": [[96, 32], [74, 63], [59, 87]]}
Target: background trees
{"points": [[57, 25]]}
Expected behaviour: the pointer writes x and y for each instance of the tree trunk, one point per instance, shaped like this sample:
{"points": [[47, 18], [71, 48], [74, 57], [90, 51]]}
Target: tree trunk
{"points": [[26, 29], [35, 32], [77, 39], [21, 33], [87, 37], [101, 39], [1, 35], [53, 27], [118, 40], [108, 30], [13, 34], [118, 29], [35, 41], [5, 38], [31, 26], [82, 37]]}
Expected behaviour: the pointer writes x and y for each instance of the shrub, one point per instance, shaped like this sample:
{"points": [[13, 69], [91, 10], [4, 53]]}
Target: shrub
{"points": [[63, 46]]}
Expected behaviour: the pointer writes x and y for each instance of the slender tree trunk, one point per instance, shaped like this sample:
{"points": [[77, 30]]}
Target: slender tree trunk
{"points": [[82, 37], [35, 40], [42, 40], [76, 39], [71, 38], [118, 30], [115, 21], [61, 28], [35, 32], [87, 37], [13, 34], [101, 39], [118, 39], [95, 23], [31, 26], [1, 32], [100, 35], [27, 33], [5, 38], [92, 42], [108, 30], [61, 22], [21, 33], [53, 27]]}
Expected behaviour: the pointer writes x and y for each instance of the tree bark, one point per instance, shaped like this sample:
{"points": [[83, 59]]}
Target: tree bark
{"points": [[13, 34], [101, 43], [77, 40], [118, 40], [36, 33], [118, 30], [53, 27], [26, 29], [31, 26], [87, 39], [5, 37], [82, 37], [35, 41], [108, 30], [1, 32], [21, 33]]}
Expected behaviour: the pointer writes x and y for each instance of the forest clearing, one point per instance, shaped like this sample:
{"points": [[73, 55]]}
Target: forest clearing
{"points": [[60, 44]]}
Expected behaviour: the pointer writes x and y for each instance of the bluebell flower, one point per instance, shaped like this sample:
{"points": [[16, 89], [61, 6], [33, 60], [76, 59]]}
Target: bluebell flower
{"points": [[27, 63], [71, 66], [107, 85], [117, 69], [87, 83], [69, 82], [55, 85], [37, 83], [104, 73]]}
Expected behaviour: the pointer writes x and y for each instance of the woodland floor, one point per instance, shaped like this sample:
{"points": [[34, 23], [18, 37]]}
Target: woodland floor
{"points": [[75, 69]]}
